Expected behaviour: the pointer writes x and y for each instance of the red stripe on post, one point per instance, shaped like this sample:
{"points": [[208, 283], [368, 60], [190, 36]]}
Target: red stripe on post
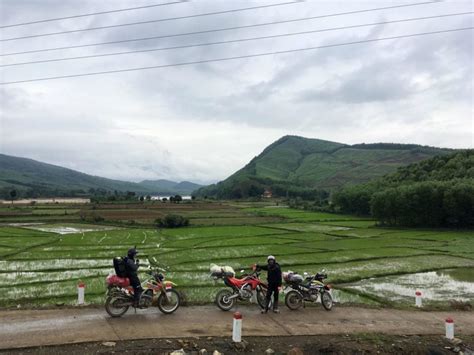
{"points": [[418, 293], [449, 320], [237, 315]]}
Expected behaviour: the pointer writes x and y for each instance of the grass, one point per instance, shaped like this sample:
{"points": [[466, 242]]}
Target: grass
{"points": [[43, 267]]}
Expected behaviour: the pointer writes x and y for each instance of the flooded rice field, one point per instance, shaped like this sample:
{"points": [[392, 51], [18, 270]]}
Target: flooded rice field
{"points": [[441, 285]]}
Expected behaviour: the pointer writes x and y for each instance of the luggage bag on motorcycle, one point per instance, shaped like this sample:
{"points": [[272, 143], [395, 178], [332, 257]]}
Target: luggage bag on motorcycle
{"points": [[292, 277], [221, 271], [119, 266]]}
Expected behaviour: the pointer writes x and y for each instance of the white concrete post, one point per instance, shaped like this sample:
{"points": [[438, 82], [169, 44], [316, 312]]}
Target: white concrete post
{"points": [[418, 299], [449, 328], [80, 292], [237, 328]]}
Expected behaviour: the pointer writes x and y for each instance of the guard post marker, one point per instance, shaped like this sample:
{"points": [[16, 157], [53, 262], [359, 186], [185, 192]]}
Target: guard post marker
{"points": [[237, 328], [418, 299], [449, 328], [80, 292]]}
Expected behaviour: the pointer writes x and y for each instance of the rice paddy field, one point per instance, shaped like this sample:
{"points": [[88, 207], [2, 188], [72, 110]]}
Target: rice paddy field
{"points": [[46, 250]]}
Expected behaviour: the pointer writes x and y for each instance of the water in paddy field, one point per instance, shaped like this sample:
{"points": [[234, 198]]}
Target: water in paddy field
{"points": [[63, 229], [441, 285]]}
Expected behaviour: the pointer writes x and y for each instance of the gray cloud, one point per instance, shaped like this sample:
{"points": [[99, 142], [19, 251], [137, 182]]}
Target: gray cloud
{"points": [[205, 121]]}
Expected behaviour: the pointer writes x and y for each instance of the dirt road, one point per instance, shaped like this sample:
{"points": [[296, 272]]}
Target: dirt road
{"points": [[23, 328]]}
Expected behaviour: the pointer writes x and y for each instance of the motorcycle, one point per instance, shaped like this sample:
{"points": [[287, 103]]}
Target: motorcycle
{"points": [[247, 288], [300, 290], [155, 291]]}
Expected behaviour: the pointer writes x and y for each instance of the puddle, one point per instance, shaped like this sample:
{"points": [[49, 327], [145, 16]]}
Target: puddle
{"points": [[23, 224], [442, 285], [64, 229]]}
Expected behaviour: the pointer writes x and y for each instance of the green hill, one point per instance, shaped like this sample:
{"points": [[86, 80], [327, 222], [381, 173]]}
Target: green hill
{"points": [[298, 166], [435, 192], [31, 178], [167, 187]]}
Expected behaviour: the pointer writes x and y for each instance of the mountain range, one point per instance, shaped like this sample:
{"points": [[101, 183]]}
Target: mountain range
{"points": [[291, 166], [33, 178]]}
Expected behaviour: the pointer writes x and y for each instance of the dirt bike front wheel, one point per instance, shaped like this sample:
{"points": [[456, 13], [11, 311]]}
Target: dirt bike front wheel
{"points": [[223, 300], [294, 300], [116, 306], [169, 302], [262, 297]]}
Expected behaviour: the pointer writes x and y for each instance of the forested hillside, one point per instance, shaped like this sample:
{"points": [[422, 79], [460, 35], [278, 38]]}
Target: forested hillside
{"points": [[435, 192]]}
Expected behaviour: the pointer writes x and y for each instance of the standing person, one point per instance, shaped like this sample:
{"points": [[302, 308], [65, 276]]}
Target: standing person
{"points": [[274, 282], [131, 266]]}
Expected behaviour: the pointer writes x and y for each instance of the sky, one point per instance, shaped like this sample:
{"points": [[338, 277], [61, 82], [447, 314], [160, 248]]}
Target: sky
{"points": [[203, 122]]}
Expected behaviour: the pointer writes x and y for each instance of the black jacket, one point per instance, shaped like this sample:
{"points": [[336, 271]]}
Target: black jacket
{"points": [[274, 273], [131, 268]]}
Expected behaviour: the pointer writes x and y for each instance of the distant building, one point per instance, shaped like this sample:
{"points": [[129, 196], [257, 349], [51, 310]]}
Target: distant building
{"points": [[267, 193]]}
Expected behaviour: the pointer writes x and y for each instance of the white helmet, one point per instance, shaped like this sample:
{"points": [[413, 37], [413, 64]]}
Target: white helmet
{"points": [[270, 257]]}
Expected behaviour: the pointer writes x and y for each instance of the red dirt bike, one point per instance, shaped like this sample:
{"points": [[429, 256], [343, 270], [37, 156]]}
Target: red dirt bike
{"points": [[247, 288], [156, 289]]}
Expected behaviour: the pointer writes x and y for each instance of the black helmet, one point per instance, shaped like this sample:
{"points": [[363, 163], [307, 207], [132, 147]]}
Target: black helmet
{"points": [[132, 252]]}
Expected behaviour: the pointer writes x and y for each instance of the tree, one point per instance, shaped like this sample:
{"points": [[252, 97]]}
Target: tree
{"points": [[148, 197], [142, 198], [13, 195], [178, 198]]}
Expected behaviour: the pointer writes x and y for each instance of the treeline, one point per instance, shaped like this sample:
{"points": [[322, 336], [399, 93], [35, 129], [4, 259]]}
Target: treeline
{"points": [[19, 193], [96, 195], [254, 187], [435, 192], [431, 203]]}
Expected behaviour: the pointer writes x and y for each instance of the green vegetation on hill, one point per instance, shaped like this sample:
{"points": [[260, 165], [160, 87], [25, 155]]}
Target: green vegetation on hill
{"points": [[302, 167], [435, 192]]}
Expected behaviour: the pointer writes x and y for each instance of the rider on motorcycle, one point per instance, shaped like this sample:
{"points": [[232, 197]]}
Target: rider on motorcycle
{"points": [[274, 282], [131, 266]]}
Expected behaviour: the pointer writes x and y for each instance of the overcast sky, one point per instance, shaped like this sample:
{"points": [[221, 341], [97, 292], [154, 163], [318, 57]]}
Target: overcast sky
{"points": [[203, 122]]}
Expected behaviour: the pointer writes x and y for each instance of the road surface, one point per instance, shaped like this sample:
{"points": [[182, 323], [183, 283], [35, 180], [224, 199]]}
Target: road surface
{"points": [[25, 328]]}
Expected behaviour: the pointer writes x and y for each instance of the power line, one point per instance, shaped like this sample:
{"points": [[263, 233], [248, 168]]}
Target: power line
{"points": [[208, 31], [93, 13], [154, 21], [235, 40], [235, 57]]}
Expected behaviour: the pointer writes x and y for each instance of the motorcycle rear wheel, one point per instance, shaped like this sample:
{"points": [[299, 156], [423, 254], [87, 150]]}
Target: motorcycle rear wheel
{"points": [[112, 306], [326, 300], [169, 304], [294, 300], [223, 301]]}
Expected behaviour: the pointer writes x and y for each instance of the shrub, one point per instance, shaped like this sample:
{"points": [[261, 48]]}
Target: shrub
{"points": [[172, 221]]}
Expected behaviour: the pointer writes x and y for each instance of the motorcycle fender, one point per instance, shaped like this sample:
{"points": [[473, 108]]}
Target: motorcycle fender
{"points": [[287, 289], [169, 285]]}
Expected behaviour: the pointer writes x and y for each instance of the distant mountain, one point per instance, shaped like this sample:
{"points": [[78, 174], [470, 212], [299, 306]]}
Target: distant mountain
{"points": [[165, 187], [32, 178], [295, 166]]}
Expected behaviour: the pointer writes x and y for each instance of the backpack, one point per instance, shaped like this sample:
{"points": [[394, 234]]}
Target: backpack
{"points": [[119, 266]]}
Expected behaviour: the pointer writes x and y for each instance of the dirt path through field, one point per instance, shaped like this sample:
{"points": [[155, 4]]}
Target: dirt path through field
{"points": [[23, 328]]}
